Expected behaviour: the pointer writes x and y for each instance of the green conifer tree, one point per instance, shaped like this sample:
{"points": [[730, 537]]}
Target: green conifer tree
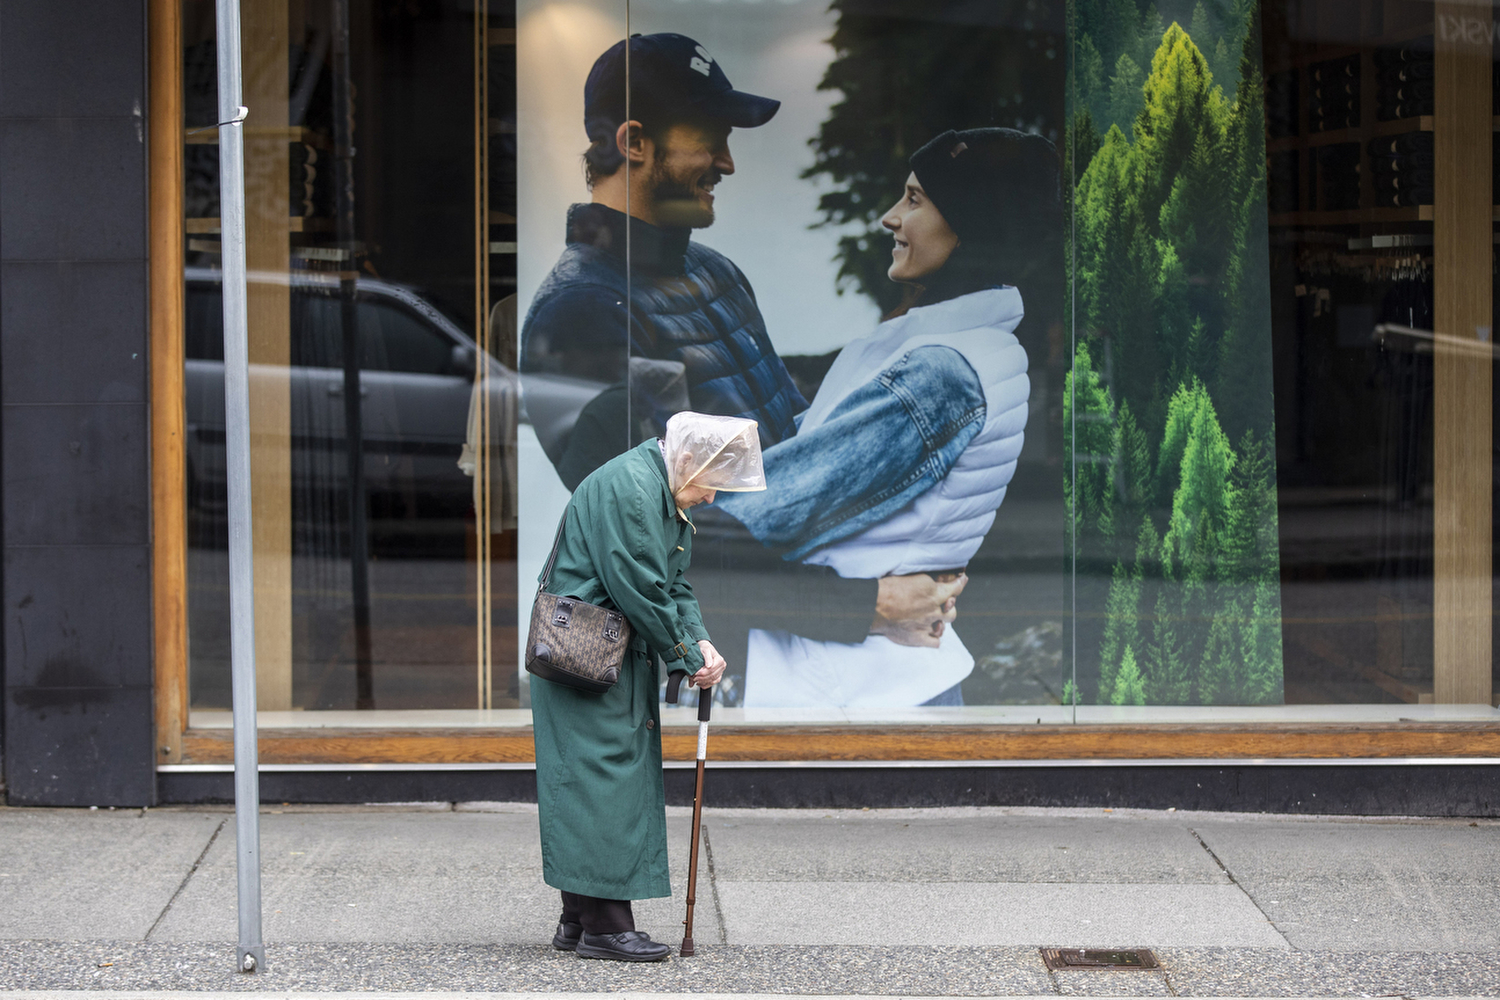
{"points": [[1169, 231], [1221, 63], [1199, 221], [1125, 91], [1260, 647], [1155, 644], [1252, 543], [1129, 687], [1204, 497], [1180, 413], [1089, 87], [1179, 106], [1083, 144], [1113, 24], [1198, 26], [1088, 427], [1165, 669], [1121, 611], [1133, 473], [1175, 315], [1221, 673], [1148, 33]]}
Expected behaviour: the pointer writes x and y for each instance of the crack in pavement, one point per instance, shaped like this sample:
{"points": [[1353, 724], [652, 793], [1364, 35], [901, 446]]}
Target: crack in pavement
{"points": [[713, 887], [1236, 883], [185, 879]]}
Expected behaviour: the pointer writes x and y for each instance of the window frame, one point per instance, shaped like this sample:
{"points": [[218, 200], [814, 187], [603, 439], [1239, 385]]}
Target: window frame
{"points": [[177, 744]]}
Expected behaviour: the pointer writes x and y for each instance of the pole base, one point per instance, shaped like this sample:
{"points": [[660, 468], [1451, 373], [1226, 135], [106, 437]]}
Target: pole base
{"points": [[250, 959], [686, 951]]}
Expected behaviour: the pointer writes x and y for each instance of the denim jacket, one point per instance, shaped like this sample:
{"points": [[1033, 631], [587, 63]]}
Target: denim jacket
{"points": [[883, 445]]}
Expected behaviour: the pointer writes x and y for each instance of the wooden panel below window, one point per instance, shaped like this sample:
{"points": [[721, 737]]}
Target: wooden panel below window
{"points": [[860, 743]]}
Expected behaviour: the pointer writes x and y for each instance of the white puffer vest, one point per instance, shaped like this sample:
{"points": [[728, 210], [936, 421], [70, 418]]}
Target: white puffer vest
{"points": [[940, 530]]}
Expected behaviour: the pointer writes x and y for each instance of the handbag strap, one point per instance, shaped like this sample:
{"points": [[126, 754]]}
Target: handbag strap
{"points": [[556, 541]]}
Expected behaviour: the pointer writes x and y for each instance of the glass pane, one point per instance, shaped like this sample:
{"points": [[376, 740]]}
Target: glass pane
{"points": [[395, 340], [384, 490], [1365, 417], [1174, 483], [1277, 410]]}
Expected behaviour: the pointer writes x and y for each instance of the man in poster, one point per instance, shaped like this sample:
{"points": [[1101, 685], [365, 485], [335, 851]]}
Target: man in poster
{"points": [[639, 296], [688, 304]]}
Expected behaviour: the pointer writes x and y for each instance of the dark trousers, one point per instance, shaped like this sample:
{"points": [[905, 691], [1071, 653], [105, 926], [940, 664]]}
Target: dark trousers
{"points": [[598, 916]]}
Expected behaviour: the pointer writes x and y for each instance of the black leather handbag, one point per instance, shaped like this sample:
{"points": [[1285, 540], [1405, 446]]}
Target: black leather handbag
{"points": [[573, 642]]}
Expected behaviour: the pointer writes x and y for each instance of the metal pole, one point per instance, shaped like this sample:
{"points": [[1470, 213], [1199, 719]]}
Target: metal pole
{"points": [[354, 434], [250, 956]]}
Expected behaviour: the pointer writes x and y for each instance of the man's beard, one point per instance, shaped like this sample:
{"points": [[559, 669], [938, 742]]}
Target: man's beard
{"points": [[677, 205]]}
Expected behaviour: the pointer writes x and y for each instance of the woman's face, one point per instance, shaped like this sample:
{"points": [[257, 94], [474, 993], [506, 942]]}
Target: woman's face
{"points": [[690, 495], [923, 239]]}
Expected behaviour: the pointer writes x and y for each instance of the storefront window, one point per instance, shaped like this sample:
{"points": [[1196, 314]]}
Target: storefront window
{"points": [[1156, 335], [379, 271]]}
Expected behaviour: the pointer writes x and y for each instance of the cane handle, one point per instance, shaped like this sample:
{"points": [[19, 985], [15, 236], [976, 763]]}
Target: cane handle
{"points": [[674, 693]]}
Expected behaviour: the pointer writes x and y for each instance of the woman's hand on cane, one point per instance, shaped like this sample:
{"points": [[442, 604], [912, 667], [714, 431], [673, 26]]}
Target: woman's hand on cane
{"points": [[713, 665]]}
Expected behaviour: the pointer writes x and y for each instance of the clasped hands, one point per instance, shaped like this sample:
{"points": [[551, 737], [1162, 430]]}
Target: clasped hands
{"points": [[916, 609], [912, 610]]}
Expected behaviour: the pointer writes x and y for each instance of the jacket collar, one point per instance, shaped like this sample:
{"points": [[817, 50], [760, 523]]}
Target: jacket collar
{"points": [[653, 249], [992, 307], [659, 465]]}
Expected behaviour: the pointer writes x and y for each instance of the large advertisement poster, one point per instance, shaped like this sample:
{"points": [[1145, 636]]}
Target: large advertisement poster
{"points": [[850, 221], [1172, 496]]}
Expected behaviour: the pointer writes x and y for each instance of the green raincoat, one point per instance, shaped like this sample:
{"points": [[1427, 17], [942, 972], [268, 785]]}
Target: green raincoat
{"points": [[598, 756]]}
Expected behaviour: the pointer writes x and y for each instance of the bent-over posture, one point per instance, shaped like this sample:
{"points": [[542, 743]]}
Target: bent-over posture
{"points": [[625, 543]]}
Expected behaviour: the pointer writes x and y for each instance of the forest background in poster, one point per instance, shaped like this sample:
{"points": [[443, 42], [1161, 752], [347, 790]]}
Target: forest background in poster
{"points": [[1172, 493]]}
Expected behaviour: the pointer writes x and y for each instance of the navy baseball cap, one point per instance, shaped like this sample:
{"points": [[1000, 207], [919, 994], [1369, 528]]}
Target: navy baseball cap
{"points": [[669, 74]]}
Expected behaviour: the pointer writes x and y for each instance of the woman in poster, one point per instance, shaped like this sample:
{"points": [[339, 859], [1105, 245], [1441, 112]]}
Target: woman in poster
{"points": [[904, 456]]}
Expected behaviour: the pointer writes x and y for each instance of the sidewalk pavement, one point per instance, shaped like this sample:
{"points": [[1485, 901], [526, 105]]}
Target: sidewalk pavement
{"points": [[929, 902]]}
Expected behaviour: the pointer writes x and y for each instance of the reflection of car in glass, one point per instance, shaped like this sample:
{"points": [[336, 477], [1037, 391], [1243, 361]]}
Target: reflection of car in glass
{"points": [[417, 384]]}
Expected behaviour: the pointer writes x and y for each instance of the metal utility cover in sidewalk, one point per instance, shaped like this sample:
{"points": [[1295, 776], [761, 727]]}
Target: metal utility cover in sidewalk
{"points": [[1059, 959]]}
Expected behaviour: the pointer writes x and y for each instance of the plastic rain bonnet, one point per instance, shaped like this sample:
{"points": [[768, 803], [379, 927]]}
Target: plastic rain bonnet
{"points": [[716, 453]]}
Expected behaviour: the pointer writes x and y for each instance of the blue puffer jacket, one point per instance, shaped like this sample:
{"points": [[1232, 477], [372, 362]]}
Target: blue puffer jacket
{"points": [[688, 304]]}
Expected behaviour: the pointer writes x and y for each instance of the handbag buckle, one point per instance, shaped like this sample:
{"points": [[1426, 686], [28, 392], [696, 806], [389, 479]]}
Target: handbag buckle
{"points": [[612, 623], [563, 616]]}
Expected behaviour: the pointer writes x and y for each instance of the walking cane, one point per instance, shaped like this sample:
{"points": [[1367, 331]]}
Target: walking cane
{"points": [[705, 706]]}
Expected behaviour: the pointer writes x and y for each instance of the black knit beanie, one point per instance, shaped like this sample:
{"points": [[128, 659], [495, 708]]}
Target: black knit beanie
{"points": [[984, 179], [998, 190]]}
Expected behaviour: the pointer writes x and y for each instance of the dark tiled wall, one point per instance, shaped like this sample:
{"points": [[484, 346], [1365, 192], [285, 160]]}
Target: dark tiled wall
{"points": [[73, 406]]}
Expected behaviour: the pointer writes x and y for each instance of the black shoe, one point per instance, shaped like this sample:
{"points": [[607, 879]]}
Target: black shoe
{"points": [[568, 933], [626, 946]]}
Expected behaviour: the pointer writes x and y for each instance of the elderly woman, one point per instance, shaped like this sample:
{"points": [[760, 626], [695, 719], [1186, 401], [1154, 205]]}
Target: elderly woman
{"points": [[626, 541]]}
